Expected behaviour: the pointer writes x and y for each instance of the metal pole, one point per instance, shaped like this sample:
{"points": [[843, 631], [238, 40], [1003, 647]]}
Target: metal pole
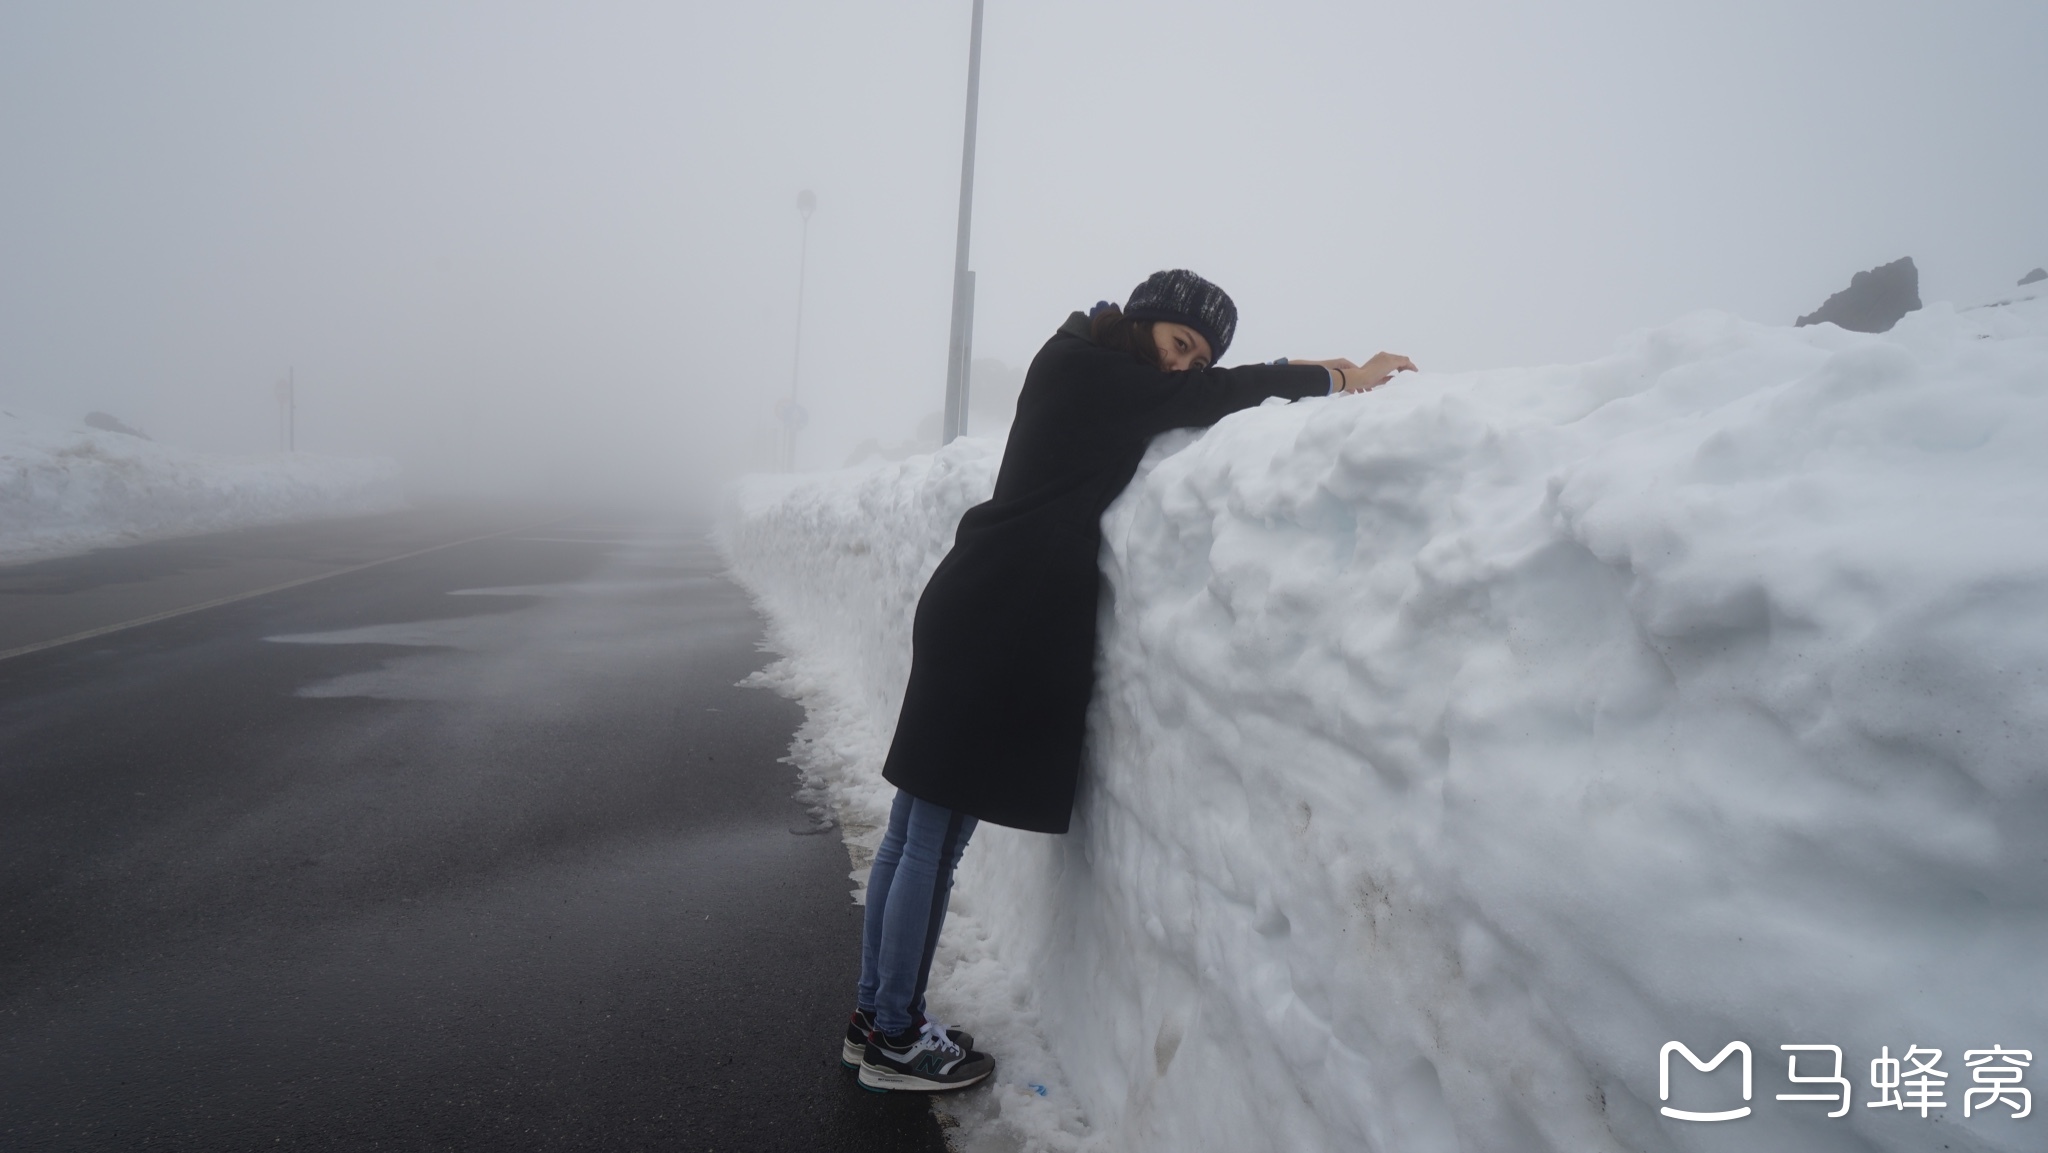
{"points": [[806, 203], [962, 345]]}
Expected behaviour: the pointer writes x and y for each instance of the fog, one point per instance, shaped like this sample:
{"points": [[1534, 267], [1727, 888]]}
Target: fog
{"points": [[554, 249]]}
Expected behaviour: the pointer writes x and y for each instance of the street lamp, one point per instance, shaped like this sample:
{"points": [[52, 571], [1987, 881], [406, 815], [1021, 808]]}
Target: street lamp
{"points": [[790, 411], [962, 345], [288, 408]]}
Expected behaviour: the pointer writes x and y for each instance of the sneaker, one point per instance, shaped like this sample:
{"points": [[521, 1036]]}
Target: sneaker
{"points": [[922, 1060], [862, 1023]]}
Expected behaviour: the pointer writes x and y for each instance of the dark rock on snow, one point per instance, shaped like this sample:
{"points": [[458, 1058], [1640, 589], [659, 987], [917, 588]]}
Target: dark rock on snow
{"points": [[106, 423], [1874, 300], [2031, 277]]}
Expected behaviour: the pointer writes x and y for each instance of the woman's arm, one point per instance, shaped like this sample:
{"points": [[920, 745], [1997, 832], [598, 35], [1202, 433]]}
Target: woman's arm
{"points": [[1158, 401], [1348, 377], [1081, 385]]}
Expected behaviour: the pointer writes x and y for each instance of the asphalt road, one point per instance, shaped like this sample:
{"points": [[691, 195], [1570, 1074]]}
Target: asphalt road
{"points": [[481, 848]]}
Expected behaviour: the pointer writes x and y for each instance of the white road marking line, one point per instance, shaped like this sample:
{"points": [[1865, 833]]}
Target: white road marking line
{"points": [[103, 630]]}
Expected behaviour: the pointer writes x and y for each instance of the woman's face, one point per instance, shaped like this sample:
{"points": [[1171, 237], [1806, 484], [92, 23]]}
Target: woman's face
{"points": [[1180, 347]]}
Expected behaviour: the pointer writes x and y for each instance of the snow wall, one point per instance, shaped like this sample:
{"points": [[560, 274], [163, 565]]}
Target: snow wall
{"points": [[1458, 746], [65, 488]]}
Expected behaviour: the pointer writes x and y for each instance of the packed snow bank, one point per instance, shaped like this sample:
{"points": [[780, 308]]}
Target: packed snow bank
{"points": [[65, 488], [1459, 745]]}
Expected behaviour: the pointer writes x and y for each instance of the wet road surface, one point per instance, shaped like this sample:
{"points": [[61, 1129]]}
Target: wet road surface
{"points": [[476, 849]]}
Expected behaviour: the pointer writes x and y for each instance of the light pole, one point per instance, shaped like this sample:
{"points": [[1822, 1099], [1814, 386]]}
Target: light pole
{"points": [[288, 406], [793, 415], [962, 345]]}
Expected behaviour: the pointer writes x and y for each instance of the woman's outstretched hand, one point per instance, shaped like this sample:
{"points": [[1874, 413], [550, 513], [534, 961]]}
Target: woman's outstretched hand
{"points": [[1373, 373], [1349, 377]]}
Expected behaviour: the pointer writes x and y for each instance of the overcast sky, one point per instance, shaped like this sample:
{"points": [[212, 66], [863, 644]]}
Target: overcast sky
{"points": [[557, 245]]}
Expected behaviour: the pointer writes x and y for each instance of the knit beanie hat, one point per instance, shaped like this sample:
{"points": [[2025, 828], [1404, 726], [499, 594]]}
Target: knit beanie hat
{"points": [[1184, 298]]}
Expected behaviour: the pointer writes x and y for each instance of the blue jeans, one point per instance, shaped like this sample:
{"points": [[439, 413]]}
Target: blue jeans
{"points": [[908, 887]]}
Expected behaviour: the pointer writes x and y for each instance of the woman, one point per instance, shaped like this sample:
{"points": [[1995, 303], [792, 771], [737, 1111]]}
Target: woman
{"points": [[1003, 647]]}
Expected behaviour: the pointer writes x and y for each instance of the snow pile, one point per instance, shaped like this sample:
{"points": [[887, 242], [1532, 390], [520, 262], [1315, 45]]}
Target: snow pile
{"points": [[65, 488], [839, 560], [1459, 745]]}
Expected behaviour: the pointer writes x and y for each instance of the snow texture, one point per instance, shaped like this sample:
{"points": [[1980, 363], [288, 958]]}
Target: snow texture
{"points": [[67, 488], [1459, 745]]}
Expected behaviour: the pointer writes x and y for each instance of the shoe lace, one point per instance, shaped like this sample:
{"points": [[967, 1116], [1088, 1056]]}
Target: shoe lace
{"points": [[935, 1034]]}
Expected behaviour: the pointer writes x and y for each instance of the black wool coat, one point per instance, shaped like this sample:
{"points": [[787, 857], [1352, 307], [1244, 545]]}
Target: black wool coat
{"points": [[1003, 646]]}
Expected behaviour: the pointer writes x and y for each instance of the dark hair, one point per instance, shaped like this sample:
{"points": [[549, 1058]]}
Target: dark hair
{"points": [[1110, 328]]}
